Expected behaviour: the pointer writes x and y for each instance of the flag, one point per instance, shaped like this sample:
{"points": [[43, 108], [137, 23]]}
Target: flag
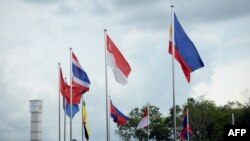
{"points": [[117, 62], [186, 131], [144, 121], [185, 52], [80, 78], [65, 90], [84, 117], [63, 84], [75, 108], [117, 116]]}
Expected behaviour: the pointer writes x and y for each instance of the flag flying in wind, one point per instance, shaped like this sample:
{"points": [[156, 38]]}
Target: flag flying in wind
{"points": [[185, 52], [144, 121], [65, 90], [75, 108], [186, 131], [117, 62], [80, 77], [117, 116], [84, 117]]}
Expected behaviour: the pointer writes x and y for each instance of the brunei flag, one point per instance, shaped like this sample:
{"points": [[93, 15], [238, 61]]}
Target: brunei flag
{"points": [[84, 120]]}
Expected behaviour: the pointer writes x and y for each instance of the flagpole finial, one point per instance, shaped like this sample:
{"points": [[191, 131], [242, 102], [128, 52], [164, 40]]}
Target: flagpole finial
{"points": [[172, 5], [105, 30], [59, 63]]}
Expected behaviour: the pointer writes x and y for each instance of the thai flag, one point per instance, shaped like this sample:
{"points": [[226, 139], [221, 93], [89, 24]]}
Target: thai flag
{"points": [[185, 52], [117, 116], [186, 131], [117, 62], [77, 90], [79, 76]]}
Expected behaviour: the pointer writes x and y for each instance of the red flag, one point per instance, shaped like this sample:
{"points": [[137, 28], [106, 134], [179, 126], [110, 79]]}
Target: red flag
{"points": [[65, 90], [117, 62], [144, 121]]}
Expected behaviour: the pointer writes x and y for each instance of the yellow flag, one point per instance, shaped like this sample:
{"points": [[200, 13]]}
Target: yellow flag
{"points": [[84, 120]]}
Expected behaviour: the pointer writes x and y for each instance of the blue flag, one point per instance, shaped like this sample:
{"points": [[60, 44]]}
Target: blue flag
{"points": [[75, 109], [185, 52]]}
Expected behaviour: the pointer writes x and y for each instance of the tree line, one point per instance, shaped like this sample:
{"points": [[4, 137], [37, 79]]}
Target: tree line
{"points": [[206, 120]]}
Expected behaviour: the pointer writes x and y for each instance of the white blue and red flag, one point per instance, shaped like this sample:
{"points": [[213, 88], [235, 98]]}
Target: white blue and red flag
{"points": [[80, 78], [185, 52]]}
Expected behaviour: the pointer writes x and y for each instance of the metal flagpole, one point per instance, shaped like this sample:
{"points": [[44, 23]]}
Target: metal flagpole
{"points": [[173, 75], [106, 84], [148, 120], [64, 118], [232, 118], [70, 94], [187, 125], [64, 104], [59, 101], [82, 121]]}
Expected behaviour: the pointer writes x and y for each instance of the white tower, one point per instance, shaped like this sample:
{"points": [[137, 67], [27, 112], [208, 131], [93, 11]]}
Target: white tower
{"points": [[36, 120]]}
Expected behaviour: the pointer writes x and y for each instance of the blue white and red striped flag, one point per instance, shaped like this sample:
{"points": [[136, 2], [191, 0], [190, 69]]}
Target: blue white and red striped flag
{"points": [[185, 52], [80, 78]]}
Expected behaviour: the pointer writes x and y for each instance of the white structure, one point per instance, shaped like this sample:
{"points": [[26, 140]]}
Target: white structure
{"points": [[36, 120]]}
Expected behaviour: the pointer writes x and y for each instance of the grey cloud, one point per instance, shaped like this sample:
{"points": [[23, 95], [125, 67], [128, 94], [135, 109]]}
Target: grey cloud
{"points": [[43, 1], [155, 15]]}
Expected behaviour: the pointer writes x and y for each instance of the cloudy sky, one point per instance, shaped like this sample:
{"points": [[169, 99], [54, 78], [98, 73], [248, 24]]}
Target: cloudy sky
{"points": [[36, 34]]}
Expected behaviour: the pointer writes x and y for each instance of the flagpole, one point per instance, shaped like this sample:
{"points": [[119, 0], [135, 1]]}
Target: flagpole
{"points": [[187, 125], [148, 120], [82, 120], [59, 101], [173, 69], [70, 94], [106, 85], [232, 118], [64, 118]]}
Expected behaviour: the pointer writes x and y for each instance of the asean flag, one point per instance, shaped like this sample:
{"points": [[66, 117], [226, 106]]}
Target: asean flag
{"points": [[117, 62], [185, 52]]}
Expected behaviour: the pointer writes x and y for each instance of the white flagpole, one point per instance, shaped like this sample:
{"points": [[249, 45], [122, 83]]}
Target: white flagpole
{"points": [[187, 125], [232, 118], [82, 120], [173, 69], [148, 119], [64, 118], [106, 84], [70, 94], [64, 102], [59, 101]]}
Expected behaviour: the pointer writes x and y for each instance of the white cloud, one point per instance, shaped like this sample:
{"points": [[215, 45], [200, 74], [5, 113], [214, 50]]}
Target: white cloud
{"points": [[228, 83]]}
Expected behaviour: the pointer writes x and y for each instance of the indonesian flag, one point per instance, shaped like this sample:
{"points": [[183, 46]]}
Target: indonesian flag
{"points": [[145, 120], [117, 62]]}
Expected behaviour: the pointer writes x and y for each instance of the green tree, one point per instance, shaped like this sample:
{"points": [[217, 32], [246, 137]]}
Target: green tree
{"points": [[158, 125]]}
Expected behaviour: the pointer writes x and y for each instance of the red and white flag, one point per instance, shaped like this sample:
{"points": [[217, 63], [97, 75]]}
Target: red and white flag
{"points": [[117, 62], [144, 121]]}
